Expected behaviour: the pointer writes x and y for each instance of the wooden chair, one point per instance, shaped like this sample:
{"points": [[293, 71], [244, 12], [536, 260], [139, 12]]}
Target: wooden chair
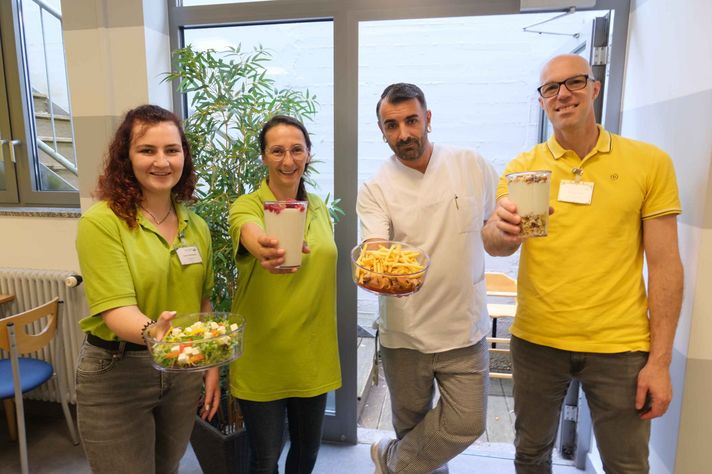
{"points": [[22, 374], [5, 299], [500, 285]]}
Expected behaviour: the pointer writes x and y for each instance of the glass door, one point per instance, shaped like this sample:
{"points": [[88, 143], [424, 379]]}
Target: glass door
{"points": [[300, 58], [366, 56], [479, 75]]}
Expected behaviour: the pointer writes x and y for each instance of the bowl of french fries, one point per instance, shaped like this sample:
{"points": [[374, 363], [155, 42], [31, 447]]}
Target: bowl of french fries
{"points": [[388, 267]]}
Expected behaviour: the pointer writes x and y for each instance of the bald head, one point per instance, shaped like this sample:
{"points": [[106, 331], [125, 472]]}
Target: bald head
{"points": [[567, 61], [567, 95]]}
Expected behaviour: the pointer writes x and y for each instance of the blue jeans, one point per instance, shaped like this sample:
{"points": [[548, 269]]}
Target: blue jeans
{"points": [[133, 418], [541, 378], [264, 422]]}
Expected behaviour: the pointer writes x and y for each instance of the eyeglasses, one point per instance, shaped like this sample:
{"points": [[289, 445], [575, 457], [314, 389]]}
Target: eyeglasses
{"points": [[575, 83], [298, 152]]}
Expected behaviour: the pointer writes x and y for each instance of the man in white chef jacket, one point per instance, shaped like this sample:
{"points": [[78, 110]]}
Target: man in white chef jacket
{"points": [[437, 198]]}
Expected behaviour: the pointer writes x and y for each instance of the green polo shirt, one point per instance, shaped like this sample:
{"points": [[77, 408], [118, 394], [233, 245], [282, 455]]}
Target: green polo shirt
{"points": [[581, 288], [125, 267], [290, 345]]}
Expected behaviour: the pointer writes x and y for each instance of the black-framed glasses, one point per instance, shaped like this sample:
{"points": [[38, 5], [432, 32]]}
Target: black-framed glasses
{"points": [[575, 83], [298, 152]]}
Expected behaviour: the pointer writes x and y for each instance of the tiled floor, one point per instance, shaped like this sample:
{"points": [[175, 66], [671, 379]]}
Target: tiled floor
{"points": [[51, 452]]}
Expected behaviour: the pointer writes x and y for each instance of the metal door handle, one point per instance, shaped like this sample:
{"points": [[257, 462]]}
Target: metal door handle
{"points": [[12, 149], [2, 155]]}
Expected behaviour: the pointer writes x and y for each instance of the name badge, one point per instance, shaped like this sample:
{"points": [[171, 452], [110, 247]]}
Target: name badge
{"points": [[577, 192], [188, 255]]}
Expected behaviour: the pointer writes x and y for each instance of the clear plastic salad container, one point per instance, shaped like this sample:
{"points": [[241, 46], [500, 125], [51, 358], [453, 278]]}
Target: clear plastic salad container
{"points": [[197, 341]]}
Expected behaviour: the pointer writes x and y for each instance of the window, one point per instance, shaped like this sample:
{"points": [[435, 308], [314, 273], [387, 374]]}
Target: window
{"points": [[37, 162], [301, 58]]}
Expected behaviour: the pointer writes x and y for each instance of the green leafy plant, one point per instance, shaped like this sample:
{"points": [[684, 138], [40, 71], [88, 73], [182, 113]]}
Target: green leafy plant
{"points": [[229, 98]]}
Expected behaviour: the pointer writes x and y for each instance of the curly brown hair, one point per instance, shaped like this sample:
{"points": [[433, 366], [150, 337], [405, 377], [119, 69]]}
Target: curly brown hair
{"points": [[118, 184]]}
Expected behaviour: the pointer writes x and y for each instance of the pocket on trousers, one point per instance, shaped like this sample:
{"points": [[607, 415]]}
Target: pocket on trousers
{"points": [[94, 361]]}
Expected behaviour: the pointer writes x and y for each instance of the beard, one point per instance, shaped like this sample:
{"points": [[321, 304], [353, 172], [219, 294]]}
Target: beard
{"points": [[409, 150]]}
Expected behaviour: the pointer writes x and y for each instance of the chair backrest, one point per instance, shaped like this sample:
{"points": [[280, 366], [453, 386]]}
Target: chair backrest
{"points": [[28, 342], [500, 284]]}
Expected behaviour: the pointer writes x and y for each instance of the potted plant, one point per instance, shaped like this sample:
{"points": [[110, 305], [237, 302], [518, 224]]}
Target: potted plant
{"points": [[229, 99], [221, 445]]}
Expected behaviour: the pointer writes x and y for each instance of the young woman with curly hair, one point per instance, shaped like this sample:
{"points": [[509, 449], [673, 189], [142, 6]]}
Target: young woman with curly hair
{"points": [[144, 256]]}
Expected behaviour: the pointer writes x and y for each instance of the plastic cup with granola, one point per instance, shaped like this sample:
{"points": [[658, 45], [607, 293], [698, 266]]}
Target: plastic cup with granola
{"points": [[529, 190]]}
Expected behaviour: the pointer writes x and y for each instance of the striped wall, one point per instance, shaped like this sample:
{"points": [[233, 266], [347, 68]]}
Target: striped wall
{"points": [[116, 52], [668, 102]]}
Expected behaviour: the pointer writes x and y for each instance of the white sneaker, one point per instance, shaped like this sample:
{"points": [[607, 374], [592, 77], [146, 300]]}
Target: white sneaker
{"points": [[378, 455]]}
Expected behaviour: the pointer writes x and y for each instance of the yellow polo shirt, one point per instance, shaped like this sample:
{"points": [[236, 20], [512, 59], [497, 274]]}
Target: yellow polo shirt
{"points": [[581, 288], [290, 346], [125, 267]]}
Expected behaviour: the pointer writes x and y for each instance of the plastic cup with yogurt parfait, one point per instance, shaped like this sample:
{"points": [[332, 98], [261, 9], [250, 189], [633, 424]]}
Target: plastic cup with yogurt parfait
{"points": [[529, 190], [284, 220]]}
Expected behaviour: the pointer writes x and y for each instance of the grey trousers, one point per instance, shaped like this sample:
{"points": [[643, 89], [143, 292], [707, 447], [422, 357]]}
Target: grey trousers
{"points": [[429, 437], [541, 378], [131, 417]]}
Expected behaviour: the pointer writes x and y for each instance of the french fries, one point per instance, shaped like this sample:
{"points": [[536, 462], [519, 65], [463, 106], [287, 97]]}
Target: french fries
{"points": [[389, 269]]}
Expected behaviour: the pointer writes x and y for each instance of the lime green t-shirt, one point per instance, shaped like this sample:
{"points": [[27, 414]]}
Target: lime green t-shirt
{"points": [[290, 343], [125, 267], [581, 288]]}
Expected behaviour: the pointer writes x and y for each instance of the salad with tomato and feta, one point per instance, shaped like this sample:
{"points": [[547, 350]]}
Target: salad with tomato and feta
{"points": [[202, 344]]}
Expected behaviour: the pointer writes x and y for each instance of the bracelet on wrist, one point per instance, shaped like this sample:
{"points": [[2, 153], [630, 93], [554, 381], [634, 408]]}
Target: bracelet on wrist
{"points": [[145, 327]]}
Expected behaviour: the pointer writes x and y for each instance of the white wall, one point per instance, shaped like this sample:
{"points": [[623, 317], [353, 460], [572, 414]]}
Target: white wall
{"points": [[668, 102], [41, 243]]}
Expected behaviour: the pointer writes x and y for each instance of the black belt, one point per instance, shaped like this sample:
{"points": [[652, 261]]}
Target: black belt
{"points": [[113, 345]]}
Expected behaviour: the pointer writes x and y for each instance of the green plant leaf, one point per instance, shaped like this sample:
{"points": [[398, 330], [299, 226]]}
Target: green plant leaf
{"points": [[231, 97]]}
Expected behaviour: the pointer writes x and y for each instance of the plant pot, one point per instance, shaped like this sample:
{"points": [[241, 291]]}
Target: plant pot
{"points": [[219, 453]]}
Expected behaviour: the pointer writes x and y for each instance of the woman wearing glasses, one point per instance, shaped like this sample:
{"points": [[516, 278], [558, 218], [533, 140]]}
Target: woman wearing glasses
{"points": [[290, 359]]}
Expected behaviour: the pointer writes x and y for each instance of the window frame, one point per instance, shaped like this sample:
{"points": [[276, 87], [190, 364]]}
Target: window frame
{"points": [[21, 182], [9, 194]]}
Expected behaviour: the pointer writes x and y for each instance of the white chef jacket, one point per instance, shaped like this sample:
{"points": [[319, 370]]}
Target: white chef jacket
{"points": [[442, 211]]}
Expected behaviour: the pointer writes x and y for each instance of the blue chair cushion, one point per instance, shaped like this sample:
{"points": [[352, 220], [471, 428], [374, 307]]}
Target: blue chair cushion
{"points": [[33, 373]]}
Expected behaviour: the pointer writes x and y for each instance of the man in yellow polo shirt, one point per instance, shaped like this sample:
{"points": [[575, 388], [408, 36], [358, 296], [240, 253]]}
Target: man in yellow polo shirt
{"points": [[583, 310]]}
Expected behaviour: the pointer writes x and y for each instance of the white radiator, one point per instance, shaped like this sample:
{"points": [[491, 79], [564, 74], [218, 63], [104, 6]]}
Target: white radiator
{"points": [[33, 288]]}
